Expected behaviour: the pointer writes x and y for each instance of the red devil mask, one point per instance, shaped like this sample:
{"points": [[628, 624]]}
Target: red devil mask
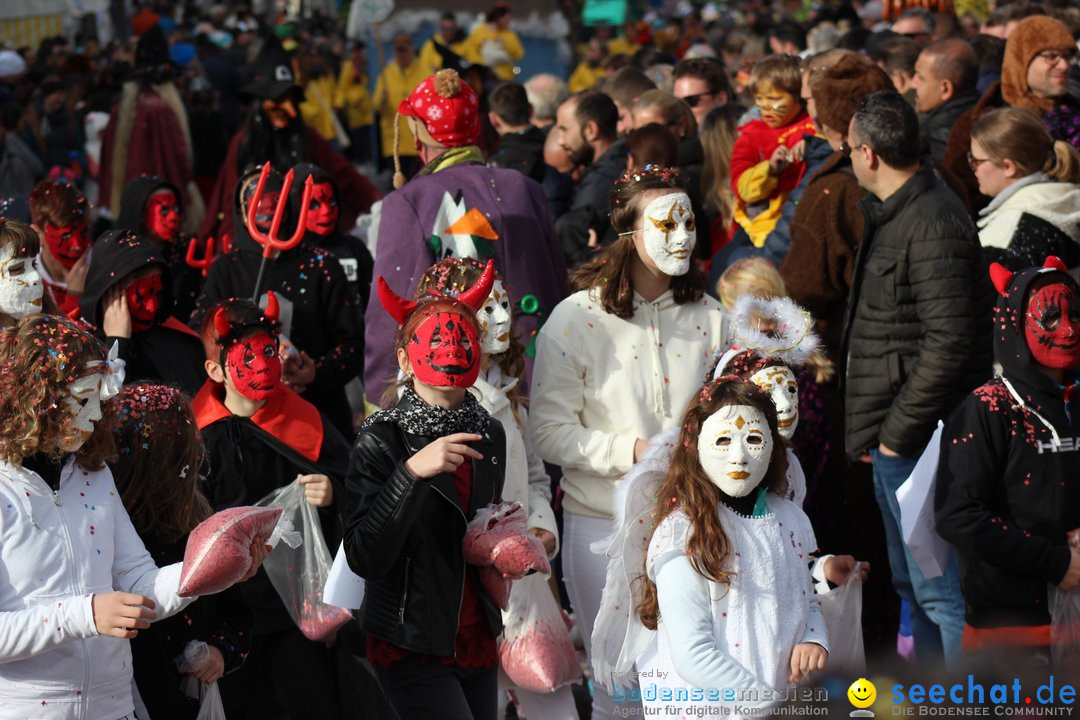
{"points": [[67, 244], [323, 209], [254, 366], [162, 216], [144, 301], [1052, 326], [444, 350]]}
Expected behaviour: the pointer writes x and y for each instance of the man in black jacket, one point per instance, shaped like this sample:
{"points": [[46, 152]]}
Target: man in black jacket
{"points": [[521, 144], [944, 84], [917, 336]]}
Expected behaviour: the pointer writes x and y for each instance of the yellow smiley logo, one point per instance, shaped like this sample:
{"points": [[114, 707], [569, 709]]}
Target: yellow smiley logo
{"points": [[862, 693]]}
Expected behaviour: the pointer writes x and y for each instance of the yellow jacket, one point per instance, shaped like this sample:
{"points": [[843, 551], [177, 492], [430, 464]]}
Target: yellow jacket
{"points": [[511, 43], [317, 109], [394, 85], [621, 46], [585, 77], [353, 97], [429, 54]]}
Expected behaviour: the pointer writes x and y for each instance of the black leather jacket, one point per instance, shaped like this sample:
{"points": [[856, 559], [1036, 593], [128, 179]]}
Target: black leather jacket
{"points": [[404, 537]]}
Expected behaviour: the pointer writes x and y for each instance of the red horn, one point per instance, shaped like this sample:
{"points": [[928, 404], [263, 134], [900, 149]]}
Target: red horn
{"points": [[1054, 262], [273, 310], [221, 324], [398, 307], [1001, 276], [477, 295]]}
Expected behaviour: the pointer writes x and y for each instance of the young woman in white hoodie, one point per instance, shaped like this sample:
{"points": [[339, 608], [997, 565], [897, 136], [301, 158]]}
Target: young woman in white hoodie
{"points": [[616, 363], [1033, 180], [77, 580]]}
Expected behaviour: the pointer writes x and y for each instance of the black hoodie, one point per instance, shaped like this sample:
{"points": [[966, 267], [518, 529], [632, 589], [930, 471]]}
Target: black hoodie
{"points": [[186, 280], [310, 283], [1006, 491], [168, 351]]}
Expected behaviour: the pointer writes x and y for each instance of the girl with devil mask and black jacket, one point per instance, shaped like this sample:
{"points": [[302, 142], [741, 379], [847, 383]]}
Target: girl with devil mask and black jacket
{"points": [[318, 313], [1007, 492]]}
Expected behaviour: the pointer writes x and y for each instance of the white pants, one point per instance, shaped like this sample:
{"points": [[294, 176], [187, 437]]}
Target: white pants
{"points": [[584, 572], [558, 705]]}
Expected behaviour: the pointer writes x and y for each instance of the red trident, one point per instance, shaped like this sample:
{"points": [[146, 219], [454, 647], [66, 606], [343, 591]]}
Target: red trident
{"points": [[207, 258], [271, 240]]}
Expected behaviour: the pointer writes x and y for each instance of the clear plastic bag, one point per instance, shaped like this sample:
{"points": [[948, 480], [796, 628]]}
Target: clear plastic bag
{"points": [[196, 654], [496, 536], [299, 573], [1064, 627], [842, 608], [535, 649], [218, 551]]}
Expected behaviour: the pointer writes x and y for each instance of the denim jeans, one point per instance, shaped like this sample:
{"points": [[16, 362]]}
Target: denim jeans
{"points": [[937, 604]]}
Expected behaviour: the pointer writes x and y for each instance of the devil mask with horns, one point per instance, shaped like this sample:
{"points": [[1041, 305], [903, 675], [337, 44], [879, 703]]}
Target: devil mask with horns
{"points": [[1051, 320], [443, 346], [248, 338]]}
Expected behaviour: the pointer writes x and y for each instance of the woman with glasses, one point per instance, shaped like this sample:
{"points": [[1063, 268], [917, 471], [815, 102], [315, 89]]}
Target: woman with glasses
{"points": [[1032, 178]]}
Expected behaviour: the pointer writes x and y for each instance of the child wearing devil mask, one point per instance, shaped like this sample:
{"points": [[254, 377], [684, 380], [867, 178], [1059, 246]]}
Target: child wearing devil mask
{"points": [[153, 208], [418, 474], [128, 299], [60, 214], [260, 436], [1007, 496]]}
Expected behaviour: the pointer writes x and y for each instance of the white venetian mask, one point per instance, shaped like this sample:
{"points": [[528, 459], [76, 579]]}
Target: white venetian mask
{"points": [[494, 319], [783, 389], [670, 233], [734, 448], [20, 284]]}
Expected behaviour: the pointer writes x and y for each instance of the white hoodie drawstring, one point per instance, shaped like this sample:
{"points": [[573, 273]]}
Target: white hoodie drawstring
{"points": [[1033, 411]]}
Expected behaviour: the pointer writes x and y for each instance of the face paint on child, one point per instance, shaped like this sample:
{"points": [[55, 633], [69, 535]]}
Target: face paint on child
{"points": [[254, 366], [494, 319], [444, 351], [670, 233], [144, 300], [783, 390], [1052, 326], [777, 107], [20, 284], [66, 244], [162, 217], [734, 448], [323, 209]]}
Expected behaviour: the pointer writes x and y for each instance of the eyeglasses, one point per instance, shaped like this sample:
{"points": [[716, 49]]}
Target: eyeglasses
{"points": [[694, 100], [846, 149], [974, 162], [1052, 56]]}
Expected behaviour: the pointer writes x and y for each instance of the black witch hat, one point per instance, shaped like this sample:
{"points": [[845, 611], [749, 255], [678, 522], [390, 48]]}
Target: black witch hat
{"points": [[273, 75]]}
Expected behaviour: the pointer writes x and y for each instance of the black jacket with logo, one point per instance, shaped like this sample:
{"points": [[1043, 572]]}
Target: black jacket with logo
{"points": [[1006, 493]]}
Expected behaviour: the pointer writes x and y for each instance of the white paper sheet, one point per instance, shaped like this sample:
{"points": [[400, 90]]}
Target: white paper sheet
{"points": [[916, 498], [344, 588]]}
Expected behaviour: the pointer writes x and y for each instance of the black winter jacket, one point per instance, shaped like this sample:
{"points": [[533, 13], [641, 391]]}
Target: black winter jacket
{"points": [[917, 332], [1006, 494], [403, 536], [591, 206], [938, 123], [522, 151]]}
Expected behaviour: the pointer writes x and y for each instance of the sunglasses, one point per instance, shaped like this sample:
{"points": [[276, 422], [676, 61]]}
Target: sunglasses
{"points": [[694, 100], [974, 162]]}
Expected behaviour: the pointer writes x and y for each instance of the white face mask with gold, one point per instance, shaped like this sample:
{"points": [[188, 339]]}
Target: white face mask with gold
{"points": [[783, 389], [494, 319], [670, 233], [20, 284], [734, 448]]}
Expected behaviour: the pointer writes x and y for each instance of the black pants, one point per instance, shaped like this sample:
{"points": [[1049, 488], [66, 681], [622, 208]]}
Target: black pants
{"points": [[423, 690], [285, 676]]}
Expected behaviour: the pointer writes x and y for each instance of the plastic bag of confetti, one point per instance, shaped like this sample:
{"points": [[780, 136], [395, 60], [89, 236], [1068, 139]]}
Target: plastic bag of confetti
{"points": [[218, 551], [1064, 606], [196, 654], [299, 574], [496, 536], [535, 649]]}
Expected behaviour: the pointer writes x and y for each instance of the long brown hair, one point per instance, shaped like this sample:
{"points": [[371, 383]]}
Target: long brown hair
{"points": [[686, 487], [40, 357], [1017, 134], [159, 453], [608, 274], [450, 277]]}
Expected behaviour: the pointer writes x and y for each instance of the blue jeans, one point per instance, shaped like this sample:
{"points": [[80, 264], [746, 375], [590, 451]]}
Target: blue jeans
{"points": [[937, 604]]}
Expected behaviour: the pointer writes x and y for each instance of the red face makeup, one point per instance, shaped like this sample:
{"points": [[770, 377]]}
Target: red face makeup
{"points": [[254, 366], [67, 244], [445, 351], [1052, 326], [264, 212], [162, 216], [323, 210], [144, 301]]}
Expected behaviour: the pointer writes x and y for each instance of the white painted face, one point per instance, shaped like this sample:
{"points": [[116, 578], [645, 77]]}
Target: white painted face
{"points": [[670, 233], [783, 389], [20, 284], [494, 319], [734, 448]]}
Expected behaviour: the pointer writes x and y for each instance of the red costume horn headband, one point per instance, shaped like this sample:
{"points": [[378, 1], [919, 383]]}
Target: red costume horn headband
{"points": [[1001, 276], [474, 298], [228, 333]]}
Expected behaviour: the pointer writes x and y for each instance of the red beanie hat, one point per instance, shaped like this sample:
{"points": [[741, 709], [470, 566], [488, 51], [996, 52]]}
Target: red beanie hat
{"points": [[448, 109]]}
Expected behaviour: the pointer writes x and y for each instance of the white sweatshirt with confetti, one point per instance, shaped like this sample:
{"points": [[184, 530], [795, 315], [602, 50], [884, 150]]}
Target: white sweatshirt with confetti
{"points": [[600, 382], [56, 551]]}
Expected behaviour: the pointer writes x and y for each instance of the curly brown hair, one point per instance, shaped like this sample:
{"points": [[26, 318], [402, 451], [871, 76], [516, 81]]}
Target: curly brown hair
{"points": [[608, 274], [40, 357], [450, 277], [695, 494]]}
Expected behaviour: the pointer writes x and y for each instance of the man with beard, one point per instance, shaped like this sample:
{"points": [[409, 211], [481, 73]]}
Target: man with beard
{"points": [[585, 127]]}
